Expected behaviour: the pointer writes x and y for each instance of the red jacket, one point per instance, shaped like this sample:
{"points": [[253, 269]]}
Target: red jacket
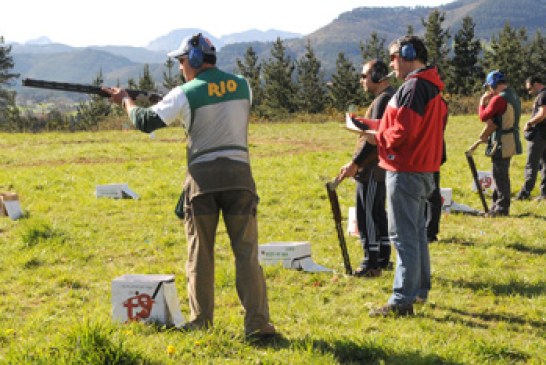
{"points": [[410, 134]]}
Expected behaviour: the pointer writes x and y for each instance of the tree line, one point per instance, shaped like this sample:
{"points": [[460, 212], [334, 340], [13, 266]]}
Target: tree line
{"points": [[283, 86]]}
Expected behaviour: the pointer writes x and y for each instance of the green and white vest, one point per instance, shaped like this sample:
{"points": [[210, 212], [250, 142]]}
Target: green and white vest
{"points": [[220, 108], [505, 142]]}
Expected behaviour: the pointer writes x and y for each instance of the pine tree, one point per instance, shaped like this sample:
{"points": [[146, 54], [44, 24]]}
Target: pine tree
{"points": [[89, 114], [436, 40], [251, 69], [374, 48], [146, 81], [171, 78], [465, 75], [279, 89], [508, 53], [345, 87], [311, 94], [537, 56], [9, 113]]}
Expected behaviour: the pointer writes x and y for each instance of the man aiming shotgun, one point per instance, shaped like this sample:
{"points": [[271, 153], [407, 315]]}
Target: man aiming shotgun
{"points": [[214, 107]]}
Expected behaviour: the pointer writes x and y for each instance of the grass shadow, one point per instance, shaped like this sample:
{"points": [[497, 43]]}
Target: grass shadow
{"points": [[520, 247], [529, 215], [456, 240], [514, 287], [496, 317], [347, 351]]}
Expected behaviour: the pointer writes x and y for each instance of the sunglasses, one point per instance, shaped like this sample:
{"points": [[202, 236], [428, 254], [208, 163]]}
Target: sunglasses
{"points": [[363, 76]]}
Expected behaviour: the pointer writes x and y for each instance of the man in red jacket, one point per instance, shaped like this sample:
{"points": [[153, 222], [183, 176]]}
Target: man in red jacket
{"points": [[409, 140]]}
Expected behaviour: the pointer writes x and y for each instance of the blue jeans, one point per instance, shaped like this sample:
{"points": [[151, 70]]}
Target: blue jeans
{"points": [[407, 194]]}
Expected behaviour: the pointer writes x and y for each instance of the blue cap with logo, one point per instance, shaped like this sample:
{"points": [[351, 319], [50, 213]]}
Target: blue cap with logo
{"points": [[493, 78]]}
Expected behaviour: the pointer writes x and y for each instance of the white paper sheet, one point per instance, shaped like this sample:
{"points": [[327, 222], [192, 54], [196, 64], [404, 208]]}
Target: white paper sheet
{"points": [[13, 209]]}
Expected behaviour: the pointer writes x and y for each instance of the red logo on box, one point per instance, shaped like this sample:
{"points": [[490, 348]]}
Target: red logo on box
{"points": [[139, 301], [486, 182]]}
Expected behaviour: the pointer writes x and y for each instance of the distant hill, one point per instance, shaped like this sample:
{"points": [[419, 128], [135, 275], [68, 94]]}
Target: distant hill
{"points": [[42, 59], [172, 40], [254, 35], [349, 29]]}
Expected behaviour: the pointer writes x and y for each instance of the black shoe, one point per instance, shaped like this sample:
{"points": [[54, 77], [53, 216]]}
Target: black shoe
{"points": [[496, 214], [366, 271], [392, 310], [386, 265], [522, 195]]}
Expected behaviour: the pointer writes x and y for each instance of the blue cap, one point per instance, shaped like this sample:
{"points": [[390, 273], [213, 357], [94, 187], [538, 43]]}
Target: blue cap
{"points": [[493, 78]]}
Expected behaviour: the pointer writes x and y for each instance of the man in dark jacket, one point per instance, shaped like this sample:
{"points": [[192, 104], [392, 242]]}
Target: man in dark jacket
{"points": [[409, 140], [371, 216], [535, 133]]}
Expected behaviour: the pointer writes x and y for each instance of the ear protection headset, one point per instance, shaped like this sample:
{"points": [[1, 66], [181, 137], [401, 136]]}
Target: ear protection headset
{"points": [[196, 56], [379, 71], [407, 51]]}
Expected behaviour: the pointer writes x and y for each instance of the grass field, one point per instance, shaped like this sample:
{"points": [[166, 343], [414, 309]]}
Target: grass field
{"points": [[487, 305]]}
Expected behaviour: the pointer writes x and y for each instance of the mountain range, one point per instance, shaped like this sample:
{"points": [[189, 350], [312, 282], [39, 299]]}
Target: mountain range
{"points": [[42, 59]]}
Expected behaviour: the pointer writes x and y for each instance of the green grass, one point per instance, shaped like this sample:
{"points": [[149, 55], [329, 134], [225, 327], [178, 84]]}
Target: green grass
{"points": [[487, 304]]}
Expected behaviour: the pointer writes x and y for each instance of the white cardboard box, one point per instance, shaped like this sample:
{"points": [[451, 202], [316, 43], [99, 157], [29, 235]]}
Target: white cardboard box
{"points": [[292, 255], [9, 206], [352, 226], [149, 298], [447, 197], [486, 181], [115, 191]]}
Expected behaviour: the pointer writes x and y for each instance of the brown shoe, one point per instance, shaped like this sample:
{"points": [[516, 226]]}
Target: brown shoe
{"points": [[392, 310], [266, 332]]}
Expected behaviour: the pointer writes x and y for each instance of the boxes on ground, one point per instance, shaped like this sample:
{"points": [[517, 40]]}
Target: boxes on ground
{"points": [[9, 206], [292, 255], [447, 198], [486, 181], [115, 191], [147, 298], [352, 225]]}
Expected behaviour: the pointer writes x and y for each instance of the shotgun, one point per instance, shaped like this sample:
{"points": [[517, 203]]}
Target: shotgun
{"points": [[90, 89], [334, 202], [474, 172]]}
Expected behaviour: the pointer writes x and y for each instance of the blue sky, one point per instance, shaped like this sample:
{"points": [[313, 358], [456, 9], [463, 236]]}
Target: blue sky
{"points": [[112, 22]]}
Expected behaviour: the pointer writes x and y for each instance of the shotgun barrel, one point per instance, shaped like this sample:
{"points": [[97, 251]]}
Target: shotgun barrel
{"points": [[89, 89]]}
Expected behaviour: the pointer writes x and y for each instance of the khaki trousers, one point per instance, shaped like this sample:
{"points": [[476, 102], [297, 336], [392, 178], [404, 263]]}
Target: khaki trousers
{"points": [[238, 209]]}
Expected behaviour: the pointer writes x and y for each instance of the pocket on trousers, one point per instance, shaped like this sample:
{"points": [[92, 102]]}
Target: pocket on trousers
{"points": [[179, 209], [508, 145]]}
